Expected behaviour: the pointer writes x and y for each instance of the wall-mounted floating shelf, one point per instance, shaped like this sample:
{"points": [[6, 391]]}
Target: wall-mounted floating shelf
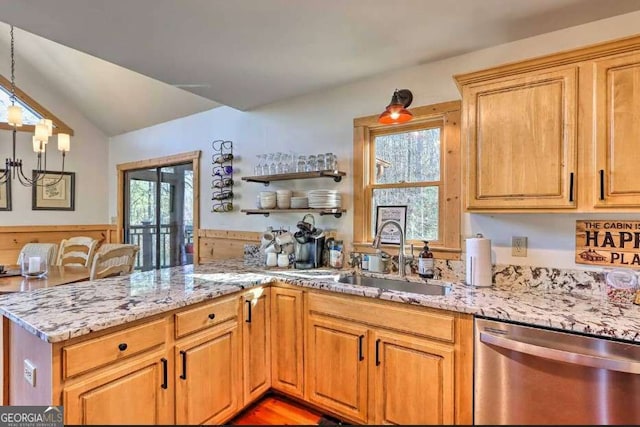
{"points": [[266, 179], [337, 212]]}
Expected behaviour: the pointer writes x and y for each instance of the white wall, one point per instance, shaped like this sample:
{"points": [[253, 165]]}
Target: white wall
{"points": [[87, 158], [322, 122]]}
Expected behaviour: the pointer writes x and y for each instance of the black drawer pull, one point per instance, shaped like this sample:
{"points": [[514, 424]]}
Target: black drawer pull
{"points": [[601, 184], [248, 312], [377, 352], [122, 346], [183, 354], [165, 373], [212, 316], [360, 349]]}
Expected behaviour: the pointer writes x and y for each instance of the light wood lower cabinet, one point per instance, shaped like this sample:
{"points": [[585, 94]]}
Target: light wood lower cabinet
{"points": [[256, 343], [413, 380], [287, 341], [207, 377], [132, 394], [337, 366], [364, 360], [383, 363]]}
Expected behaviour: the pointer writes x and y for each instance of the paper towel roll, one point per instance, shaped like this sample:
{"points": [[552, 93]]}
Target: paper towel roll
{"points": [[478, 259]]}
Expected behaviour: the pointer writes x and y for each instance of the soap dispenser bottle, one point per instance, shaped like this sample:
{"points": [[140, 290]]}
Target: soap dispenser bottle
{"points": [[425, 262]]}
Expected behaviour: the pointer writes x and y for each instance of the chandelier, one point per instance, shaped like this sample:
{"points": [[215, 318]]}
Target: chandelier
{"points": [[43, 130]]}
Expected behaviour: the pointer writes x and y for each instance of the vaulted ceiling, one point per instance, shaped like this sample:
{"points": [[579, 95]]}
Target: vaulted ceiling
{"points": [[250, 53]]}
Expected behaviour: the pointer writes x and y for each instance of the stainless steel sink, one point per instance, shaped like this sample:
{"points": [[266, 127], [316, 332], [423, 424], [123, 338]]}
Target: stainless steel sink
{"points": [[396, 285]]}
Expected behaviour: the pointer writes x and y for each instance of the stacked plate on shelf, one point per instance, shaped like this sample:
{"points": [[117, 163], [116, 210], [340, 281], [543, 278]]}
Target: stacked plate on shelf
{"points": [[299, 202], [324, 199]]}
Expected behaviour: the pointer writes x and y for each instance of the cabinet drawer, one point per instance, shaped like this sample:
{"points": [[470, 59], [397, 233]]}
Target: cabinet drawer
{"points": [[82, 357], [206, 316], [412, 320]]}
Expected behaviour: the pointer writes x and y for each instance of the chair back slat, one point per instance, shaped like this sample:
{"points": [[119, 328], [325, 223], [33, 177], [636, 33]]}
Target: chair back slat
{"points": [[113, 259], [77, 250]]}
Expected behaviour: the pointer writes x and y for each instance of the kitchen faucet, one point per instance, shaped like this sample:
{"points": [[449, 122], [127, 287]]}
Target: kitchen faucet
{"points": [[376, 243]]}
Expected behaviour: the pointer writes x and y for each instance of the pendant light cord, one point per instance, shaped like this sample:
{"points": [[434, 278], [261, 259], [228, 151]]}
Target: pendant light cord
{"points": [[13, 74]]}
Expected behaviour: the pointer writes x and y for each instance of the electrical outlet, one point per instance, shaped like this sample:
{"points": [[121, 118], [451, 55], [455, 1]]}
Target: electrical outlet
{"points": [[519, 246], [30, 372]]}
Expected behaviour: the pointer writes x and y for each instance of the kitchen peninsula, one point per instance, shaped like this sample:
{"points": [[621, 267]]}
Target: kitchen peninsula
{"points": [[142, 337]]}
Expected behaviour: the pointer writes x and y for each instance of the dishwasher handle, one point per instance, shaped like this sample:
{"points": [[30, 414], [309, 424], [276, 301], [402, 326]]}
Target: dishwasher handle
{"points": [[611, 364]]}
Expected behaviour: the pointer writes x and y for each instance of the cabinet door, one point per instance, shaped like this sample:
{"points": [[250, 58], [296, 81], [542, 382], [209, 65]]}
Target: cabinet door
{"points": [[337, 366], [208, 377], [521, 141], [287, 365], [414, 380], [136, 393], [256, 337], [617, 132]]}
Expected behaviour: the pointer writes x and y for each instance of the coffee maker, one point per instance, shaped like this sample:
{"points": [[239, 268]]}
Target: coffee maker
{"points": [[309, 251]]}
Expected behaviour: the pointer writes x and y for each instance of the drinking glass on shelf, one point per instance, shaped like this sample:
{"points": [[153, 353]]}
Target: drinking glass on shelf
{"points": [[257, 169], [273, 164], [301, 165], [329, 161], [311, 163], [282, 163], [320, 166]]}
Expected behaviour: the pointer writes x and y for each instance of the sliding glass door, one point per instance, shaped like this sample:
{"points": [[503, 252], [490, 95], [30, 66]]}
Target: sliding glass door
{"points": [[159, 215]]}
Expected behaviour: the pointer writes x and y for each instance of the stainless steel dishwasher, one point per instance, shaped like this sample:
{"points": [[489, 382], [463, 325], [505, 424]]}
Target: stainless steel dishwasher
{"points": [[531, 375]]}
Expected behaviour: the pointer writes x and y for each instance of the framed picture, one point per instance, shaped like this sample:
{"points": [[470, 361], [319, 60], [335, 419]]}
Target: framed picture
{"points": [[54, 192], [5, 194], [391, 235]]}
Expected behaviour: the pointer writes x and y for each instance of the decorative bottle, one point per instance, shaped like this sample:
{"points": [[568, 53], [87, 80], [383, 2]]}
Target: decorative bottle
{"points": [[425, 262]]}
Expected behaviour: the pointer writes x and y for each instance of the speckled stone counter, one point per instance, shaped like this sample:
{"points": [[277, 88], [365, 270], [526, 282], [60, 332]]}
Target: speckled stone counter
{"points": [[68, 311]]}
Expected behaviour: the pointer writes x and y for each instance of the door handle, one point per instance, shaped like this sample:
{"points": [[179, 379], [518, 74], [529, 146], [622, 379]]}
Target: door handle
{"points": [[360, 349], [183, 354], [571, 187], [601, 184], [248, 312], [378, 352], [165, 373], [610, 363]]}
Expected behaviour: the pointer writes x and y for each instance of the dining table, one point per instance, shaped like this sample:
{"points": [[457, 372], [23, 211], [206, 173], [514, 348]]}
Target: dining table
{"points": [[57, 275]]}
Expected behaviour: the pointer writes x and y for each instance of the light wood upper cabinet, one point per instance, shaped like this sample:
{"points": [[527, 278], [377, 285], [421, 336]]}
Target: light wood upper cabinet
{"points": [[207, 376], [287, 341], [533, 128], [414, 380], [520, 135], [256, 342], [132, 394], [337, 366], [617, 131]]}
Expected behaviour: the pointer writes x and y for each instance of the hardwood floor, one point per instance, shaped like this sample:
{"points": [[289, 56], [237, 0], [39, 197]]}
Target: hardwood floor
{"points": [[277, 410]]}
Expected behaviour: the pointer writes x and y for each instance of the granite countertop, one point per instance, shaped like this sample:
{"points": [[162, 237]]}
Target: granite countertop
{"points": [[63, 312]]}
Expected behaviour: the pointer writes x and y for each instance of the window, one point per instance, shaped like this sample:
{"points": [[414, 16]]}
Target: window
{"points": [[29, 117], [32, 112], [415, 164]]}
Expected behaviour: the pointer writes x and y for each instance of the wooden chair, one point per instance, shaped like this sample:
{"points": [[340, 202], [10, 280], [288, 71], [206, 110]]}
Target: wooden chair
{"points": [[113, 259], [77, 251], [46, 251]]}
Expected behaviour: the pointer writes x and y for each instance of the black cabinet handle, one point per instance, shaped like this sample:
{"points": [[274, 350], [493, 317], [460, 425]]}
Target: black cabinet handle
{"points": [[360, 349], [248, 312], [122, 346], [571, 187], [601, 184], [212, 316], [183, 354], [377, 352], [165, 373]]}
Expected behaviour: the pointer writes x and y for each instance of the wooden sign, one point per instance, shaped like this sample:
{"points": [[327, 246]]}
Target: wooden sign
{"points": [[608, 242]]}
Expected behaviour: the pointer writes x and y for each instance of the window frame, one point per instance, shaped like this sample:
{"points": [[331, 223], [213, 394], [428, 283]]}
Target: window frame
{"points": [[58, 125], [444, 115]]}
